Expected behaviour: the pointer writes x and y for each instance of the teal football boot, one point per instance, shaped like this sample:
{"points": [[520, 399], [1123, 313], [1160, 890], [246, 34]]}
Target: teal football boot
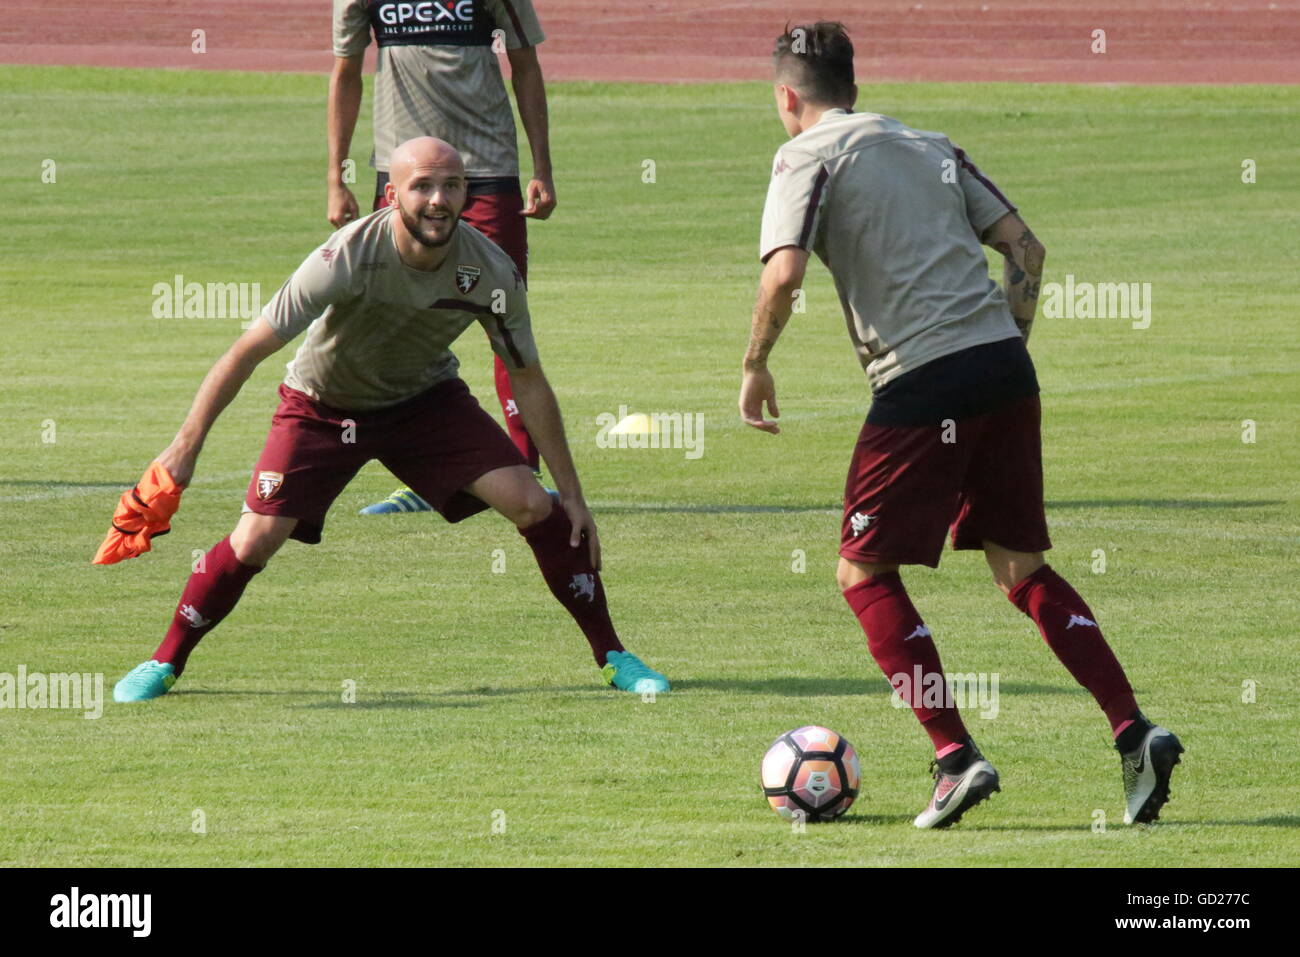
{"points": [[627, 672], [145, 681]]}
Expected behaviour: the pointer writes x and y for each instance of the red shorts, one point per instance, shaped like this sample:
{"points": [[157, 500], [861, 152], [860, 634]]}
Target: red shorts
{"points": [[907, 487], [437, 443]]}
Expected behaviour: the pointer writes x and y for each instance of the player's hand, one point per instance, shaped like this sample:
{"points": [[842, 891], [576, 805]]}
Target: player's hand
{"points": [[583, 525], [756, 388], [179, 460], [539, 197], [342, 207]]}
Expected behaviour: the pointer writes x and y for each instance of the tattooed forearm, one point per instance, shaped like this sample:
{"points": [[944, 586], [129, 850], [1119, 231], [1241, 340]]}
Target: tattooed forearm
{"points": [[771, 313], [1022, 276]]}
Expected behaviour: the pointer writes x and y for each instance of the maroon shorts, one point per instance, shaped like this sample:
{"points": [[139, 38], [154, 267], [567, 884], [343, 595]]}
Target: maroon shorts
{"points": [[437, 443], [907, 486]]}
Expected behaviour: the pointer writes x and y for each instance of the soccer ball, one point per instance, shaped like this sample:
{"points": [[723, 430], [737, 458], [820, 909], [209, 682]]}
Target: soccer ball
{"points": [[810, 774]]}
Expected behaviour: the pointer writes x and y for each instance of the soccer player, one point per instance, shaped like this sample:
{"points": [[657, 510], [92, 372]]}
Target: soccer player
{"points": [[438, 75], [952, 435], [380, 302]]}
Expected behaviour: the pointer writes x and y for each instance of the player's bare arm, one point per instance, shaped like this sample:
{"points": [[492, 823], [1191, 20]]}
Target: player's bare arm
{"points": [[540, 411], [220, 386], [1023, 271], [781, 279], [530, 95], [341, 121]]}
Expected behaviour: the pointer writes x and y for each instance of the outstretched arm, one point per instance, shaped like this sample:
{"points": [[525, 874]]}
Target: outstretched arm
{"points": [[1023, 272], [222, 383], [782, 276]]}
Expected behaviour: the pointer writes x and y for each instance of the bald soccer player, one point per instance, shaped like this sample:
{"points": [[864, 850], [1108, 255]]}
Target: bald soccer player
{"points": [[438, 75], [381, 302], [952, 436]]}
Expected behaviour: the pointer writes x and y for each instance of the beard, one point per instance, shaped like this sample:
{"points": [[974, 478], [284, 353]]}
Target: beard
{"points": [[418, 228]]}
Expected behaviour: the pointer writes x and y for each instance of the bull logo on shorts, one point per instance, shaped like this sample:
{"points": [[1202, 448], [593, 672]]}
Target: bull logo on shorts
{"points": [[268, 483], [467, 278], [584, 586]]}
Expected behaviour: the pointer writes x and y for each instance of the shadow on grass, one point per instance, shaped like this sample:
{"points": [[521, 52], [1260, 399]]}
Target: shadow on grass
{"points": [[400, 699], [759, 508], [785, 687], [32, 483], [1163, 503], [832, 687]]}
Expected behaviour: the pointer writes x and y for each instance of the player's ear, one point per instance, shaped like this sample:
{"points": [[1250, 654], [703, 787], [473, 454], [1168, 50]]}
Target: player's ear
{"points": [[786, 98], [390, 193]]}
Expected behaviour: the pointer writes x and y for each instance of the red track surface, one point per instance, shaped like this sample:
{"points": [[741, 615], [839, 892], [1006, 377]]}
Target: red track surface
{"points": [[1148, 41]]}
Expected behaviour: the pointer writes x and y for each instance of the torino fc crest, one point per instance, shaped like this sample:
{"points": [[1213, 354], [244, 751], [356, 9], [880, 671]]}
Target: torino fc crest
{"points": [[467, 278], [268, 483]]}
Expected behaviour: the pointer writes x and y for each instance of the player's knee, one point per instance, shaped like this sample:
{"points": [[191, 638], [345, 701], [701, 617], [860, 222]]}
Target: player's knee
{"points": [[255, 542], [255, 549], [534, 506], [850, 573]]}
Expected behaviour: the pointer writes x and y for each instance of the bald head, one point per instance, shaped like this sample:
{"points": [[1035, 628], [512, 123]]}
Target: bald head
{"points": [[426, 182], [424, 153]]}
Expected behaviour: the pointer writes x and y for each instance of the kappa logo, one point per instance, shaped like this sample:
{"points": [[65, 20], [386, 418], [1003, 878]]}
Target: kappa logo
{"points": [[859, 521], [584, 586], [467, 277], [1080, 620], [780, 167], [268, 483], [921, 632], [191, 614]]}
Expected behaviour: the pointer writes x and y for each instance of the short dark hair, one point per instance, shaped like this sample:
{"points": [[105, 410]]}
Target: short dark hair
{"points": [[817, 60]]}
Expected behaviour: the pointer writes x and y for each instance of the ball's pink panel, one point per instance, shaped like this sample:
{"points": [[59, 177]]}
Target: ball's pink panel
{"points": [[815, 738], [776, 764]]}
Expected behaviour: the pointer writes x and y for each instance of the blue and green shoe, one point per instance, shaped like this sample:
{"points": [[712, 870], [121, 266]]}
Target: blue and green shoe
{"points": [[145, 681], [627, 672], [403, 500]]}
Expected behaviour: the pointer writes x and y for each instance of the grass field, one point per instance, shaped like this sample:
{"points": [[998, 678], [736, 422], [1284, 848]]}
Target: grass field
{"points": [[476, 696]]}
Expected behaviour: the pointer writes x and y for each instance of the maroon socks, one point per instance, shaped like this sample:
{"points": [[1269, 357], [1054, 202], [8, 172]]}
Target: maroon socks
{"points": [[1068, 627], [209, 596], [902, 647], [572, 580]]}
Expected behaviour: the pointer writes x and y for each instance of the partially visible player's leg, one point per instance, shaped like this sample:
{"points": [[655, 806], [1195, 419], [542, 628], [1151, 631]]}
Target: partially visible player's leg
{"points": [[898, 498], [493, 208], [1002, 513]]}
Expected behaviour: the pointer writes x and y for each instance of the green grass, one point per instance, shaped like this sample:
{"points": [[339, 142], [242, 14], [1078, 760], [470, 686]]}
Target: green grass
{"points": [[475, 693]]}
